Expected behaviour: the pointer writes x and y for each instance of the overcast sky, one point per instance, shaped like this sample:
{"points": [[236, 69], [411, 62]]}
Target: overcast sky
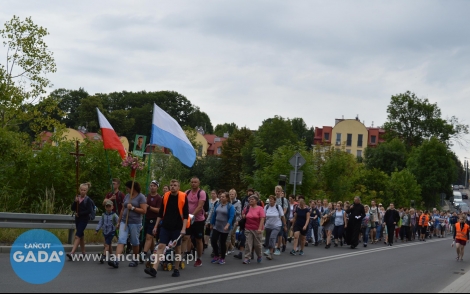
{"points": [[246, 61]]}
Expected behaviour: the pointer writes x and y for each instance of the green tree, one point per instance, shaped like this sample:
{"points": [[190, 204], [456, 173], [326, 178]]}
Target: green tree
{"points": [[69, 102], [200, 119], [370, 184], [220, 130], [232, 159], [414, 120], [209, 171], [433, 166], [387, 156], [23, 79], [403, 188], [303, 133], [274, 133], [87, 115], [267, 177]]}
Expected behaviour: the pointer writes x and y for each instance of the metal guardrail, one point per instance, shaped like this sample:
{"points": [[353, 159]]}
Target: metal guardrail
{"points": [[43, 221]]}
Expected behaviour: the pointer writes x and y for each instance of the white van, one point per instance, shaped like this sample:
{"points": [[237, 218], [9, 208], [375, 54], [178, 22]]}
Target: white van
{"points": [[457, 198]]}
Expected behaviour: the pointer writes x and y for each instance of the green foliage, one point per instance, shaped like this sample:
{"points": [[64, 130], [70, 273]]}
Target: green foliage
{"points": [[387, 156], [209, 171], [274, 133], [267, 176], [434, 169], [233, 159], [22, 79], [220, 130], [403, 188], [371, 184], [415, 120]]}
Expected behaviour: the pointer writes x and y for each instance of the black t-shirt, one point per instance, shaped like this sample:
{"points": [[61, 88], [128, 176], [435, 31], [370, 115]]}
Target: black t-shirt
{"points": [[172, 219]]}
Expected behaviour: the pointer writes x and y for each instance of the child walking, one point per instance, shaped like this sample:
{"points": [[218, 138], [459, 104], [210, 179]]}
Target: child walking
{"points": [[108, 223]]}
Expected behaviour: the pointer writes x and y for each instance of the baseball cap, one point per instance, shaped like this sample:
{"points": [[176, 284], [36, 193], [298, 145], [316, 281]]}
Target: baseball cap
{"points": [[108, 202], [155, 183]]}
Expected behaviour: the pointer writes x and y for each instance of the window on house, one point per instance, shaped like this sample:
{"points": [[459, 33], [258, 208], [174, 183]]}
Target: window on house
{"points": [[373, 139], [359, 153], [359, 140], [338, 139], [219, 150], [348, 151], [349, 140], [327, 136]]}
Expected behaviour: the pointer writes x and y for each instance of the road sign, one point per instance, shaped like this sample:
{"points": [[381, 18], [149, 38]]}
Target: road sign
{"points": [[297, 160], [293, 178]]}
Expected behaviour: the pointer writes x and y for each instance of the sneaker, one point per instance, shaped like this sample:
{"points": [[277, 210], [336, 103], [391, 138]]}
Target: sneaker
{"points": [[301, 252], [215, 260], [229, 252], [246, 261], [70, 256], [238, 256], [365, 244], [133, 264], [151, 272], [259, 259], [114, 264], [221, 261], [277, 252], [267, 252], [198, 263], [269, 257], [283, 248], [306, 244], [176, 273], [293, 252]]}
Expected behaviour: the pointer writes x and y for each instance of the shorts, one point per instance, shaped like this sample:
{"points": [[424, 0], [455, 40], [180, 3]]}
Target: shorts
{"points": [[166, 236], [461, 242], [108, 239], [149, 225], [300, 229], [80, 226], [196, 230], [424, 230], [133, 229]]}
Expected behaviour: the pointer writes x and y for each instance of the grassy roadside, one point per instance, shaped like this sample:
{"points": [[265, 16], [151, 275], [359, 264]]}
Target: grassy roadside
{"points": [[8, 236]]}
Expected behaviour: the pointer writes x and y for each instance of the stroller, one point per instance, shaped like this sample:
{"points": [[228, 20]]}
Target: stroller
{"points": [[168, 263]]}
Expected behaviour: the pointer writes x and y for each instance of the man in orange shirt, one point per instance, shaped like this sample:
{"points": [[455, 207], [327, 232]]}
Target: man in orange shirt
{"points": [[424, 224]]}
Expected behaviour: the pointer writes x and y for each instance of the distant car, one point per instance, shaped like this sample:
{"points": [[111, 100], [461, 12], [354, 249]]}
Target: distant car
{"points": [[461, 187], [463, 207], [464, 195], [457, 199], [456, 187]]}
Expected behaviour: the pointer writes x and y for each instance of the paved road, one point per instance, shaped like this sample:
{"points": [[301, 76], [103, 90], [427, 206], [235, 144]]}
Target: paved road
{"points": [[408, 267]]}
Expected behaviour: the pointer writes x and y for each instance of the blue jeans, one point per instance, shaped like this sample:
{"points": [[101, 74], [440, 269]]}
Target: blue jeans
{"points": [[379, 232], [365, 235], [133, 229], [312, 225]]}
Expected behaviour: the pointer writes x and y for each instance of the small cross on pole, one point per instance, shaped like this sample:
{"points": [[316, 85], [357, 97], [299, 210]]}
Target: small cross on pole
{"points": [[77, 155]]}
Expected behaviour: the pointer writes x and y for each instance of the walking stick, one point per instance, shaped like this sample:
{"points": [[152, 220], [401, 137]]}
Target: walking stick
{"points": [[130, 195]]}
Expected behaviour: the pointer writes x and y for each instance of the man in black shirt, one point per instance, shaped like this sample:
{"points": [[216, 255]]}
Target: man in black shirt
{"points": [[356, 214], [175, 214], [391, 218]]}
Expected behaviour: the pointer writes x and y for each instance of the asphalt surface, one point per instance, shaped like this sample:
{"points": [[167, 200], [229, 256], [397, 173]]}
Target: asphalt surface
{"points": [[405, 267]]}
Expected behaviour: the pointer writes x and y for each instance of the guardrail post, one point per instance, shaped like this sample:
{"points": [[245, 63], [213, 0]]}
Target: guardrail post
{"points": [[71, 236]]}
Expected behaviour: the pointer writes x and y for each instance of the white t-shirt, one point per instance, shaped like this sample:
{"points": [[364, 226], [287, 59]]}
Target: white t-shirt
{"points": [[291, 213], [273, 216]]}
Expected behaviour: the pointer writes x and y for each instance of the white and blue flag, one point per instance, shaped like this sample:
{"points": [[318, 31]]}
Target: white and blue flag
{"points": [[166, 132]]}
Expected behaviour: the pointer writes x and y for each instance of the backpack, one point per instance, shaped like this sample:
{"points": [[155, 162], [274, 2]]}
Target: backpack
{"points": [[206, 203], [92, 215]]}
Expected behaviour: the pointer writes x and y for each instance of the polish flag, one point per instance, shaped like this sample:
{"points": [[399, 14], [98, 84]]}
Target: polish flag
{"points": [[110, 138]]}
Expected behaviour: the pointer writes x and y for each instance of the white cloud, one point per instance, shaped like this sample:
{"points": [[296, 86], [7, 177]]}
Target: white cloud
{"points": [[246, 61]]}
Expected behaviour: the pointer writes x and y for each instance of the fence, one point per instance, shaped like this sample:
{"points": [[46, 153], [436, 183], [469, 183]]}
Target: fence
{"points": [[43, 221]]}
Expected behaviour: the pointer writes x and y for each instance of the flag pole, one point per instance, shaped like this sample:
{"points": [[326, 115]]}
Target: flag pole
{"points": [[111, 179], [147, 185]]}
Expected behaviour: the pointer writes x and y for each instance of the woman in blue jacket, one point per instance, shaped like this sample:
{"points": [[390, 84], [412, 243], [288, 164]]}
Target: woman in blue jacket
{"points": [[221, 224]]}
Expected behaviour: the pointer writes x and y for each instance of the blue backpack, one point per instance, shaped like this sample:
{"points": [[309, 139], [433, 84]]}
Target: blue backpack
{"points": [[92, 215]]}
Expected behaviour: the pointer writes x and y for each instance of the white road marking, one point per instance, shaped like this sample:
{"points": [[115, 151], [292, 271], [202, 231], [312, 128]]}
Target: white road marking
{"points": [[220, 278]]}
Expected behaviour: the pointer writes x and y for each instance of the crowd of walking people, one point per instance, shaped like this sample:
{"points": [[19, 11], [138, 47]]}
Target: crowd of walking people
{"points": [[193, 222]]}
